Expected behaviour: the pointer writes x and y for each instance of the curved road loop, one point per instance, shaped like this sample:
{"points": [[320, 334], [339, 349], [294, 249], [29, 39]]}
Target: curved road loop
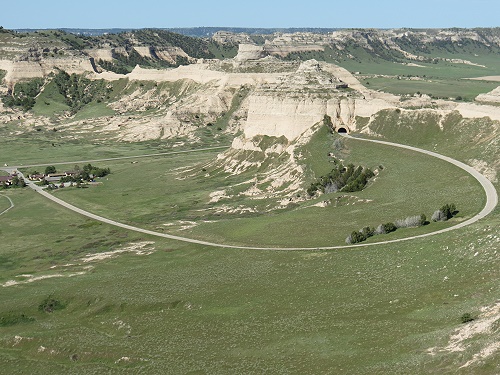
{"points": [[491, 202], [11, 204]]}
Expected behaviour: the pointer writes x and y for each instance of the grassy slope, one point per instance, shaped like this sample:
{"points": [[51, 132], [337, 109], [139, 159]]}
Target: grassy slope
{"points": [[201, 310], [191, 309]]}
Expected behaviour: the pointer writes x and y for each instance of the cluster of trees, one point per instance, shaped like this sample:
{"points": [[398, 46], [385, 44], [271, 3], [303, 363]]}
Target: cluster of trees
{"points": [[346, 179], [23, 95], [86, 173], [115, 66], [78, 90], [194, 47], [123, 62], [444, 213], [367, 232]]}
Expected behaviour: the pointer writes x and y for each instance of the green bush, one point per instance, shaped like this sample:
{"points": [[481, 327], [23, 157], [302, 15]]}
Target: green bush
{"points": [[449, 210], [466, 318], [355, 237], [11, 319], [389, 227], [50, 304], [50, 169]]}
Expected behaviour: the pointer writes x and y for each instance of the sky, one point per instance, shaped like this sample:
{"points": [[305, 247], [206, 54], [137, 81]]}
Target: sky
{"points": [[93, 14]]}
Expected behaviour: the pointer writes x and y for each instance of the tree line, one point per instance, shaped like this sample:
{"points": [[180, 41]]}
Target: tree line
{"points": [[446, 212]]}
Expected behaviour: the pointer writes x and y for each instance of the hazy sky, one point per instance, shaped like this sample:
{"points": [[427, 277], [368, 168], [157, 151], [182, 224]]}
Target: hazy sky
{"points": [[250, 13]]}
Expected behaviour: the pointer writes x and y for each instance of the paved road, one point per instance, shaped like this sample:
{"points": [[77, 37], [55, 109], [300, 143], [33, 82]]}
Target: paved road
{"points": [[11, 204], [116, 158], [491, 202]]}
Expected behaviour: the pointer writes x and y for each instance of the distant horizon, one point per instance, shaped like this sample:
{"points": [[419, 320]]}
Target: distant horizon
{"points": [[258, 14]]}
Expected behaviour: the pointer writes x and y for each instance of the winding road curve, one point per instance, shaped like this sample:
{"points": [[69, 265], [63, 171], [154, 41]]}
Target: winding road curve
{"points": [[491, 202], [11, 204]]}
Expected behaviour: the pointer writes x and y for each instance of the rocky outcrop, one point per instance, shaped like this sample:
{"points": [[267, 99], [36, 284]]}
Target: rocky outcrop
{"points": [[292, 116], [250, 52], [491, 97], [25, 70]]}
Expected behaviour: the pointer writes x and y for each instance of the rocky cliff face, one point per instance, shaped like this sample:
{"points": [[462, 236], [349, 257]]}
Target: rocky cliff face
{"points": [[302, 98]]}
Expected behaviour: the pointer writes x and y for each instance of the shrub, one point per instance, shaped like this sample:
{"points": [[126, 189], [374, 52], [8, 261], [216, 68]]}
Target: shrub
{"points": [[449, 210], [50, 304], [438, 215], [355, 237], [11, 319], [327, 121], [411, 221], [466, 318], [367, 232], [423, 219], [24, 94], [348, 179], [389, 227], [380, 229]]}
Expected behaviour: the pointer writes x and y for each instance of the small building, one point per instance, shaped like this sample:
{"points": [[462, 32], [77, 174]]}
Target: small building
{"points": [[6, 179], [36, 177]]}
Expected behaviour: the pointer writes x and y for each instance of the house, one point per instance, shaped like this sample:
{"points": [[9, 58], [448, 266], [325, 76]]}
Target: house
{"points": [[6, 179], [36, 177]]}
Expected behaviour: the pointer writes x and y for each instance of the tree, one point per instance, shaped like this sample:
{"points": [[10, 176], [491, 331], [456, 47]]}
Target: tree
{"points": [[355, 237], [389, 227], [449, 210], [423, 219], [438, 215], [380, 229], [367, 232], [50, 169], [21, 182]]}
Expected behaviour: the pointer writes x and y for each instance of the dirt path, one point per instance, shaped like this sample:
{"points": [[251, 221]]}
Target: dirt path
{"points": [[491, 202]]}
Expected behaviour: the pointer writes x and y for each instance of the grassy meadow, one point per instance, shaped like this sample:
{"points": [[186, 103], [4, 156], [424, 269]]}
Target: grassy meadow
{"points": [[184, 308], [164, 193], [190, 309]]}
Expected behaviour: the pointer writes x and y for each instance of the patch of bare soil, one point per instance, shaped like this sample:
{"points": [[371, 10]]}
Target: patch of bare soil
{"points": [[487, 324]]}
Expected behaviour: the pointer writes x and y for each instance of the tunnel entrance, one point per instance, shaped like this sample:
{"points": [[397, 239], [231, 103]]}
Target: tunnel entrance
{"points": [[341, 130]]}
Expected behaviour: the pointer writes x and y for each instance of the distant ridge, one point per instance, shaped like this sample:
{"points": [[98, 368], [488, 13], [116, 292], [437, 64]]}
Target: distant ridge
{"points": [[192, 31]]}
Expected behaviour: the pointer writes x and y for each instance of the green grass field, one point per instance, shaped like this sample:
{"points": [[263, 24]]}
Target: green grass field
{"points": [[435, 87], [159, 197], [191, 309], [188, 309]]}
